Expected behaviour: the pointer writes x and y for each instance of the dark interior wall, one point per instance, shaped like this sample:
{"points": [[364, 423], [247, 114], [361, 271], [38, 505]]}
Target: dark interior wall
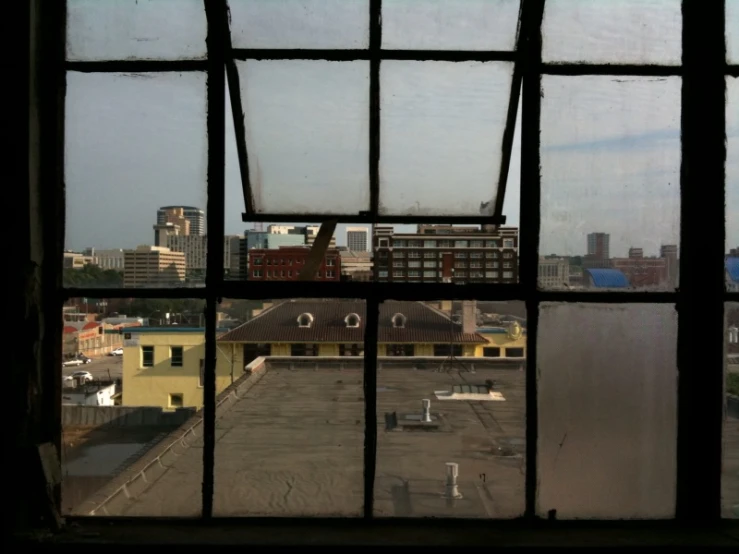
{"points": [[36, 251]]}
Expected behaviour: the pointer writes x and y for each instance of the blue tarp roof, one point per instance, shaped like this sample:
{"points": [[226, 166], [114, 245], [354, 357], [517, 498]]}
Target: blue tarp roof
{"points": [[732, 266], [608, 278]]}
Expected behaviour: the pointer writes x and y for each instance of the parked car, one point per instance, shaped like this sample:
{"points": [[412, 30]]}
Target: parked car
{"points": [[73, 362], [85, 359], [117, 352], [86, 375]]}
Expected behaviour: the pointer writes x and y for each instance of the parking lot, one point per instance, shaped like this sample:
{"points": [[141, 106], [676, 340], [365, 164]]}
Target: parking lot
{"points": [[103, 368]]}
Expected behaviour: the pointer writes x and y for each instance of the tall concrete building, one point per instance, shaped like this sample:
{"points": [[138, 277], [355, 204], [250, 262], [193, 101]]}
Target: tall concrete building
{"points": [[195, 217], [195, 248], [669, 253], [162, 232], [357, 239], [153, 266], [599, 245]]}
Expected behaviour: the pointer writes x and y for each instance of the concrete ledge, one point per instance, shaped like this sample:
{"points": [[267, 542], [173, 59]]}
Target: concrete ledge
{"points": [[122, 490], [123, 416]]}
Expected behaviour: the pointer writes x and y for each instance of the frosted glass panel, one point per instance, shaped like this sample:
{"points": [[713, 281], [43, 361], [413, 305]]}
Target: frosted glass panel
{"points": [[607, 382], [442, 129], [136, 29], [732, 171], [307, 134], [135, 170], [299, 23], [730, 466], [449, 25], [732, 31], [605, 31], [610, 165]]}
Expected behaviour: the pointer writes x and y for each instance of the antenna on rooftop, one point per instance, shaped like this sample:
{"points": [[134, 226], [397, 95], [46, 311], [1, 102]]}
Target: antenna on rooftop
{"points": [[451, 359]]}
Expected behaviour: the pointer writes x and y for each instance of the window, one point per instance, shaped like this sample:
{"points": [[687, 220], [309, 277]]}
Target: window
{"points": [[476, 255], [429, 255], [429, 264], [350, 350], [475, 264], [491, 274], [429, 244], [399, 244], [304, 350], [460, 255], [399, 254], [330, 274], [493, 254], [476, 243], [445, 243], [382, 273], [414, 273], [514, 352], [475, 274], [289, 273], [627, 48], [506, 264], [330, 262], [414, 255], [491, 352], [383, 243], [447, 350], [398, 320], [352, 320], [507, 255], [257, 273], [460, 243], [400, 350], [414, 264], [398, 264], [415, 243], [257, 261], [460, 274], [176, 354], [305, 320], [175, 400], [398, 274], [460, 264], [147, 356]]}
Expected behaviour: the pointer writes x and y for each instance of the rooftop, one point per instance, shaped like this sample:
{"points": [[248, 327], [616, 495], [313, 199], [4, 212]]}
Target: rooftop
{"points": [[279, 323], [607, 278], [289, 442]]}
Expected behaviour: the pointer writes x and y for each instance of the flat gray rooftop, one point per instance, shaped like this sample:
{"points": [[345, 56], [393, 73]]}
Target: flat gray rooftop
{"points": [[292, 445]]}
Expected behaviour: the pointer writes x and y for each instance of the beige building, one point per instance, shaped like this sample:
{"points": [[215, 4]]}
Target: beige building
{"points": [[107, 259], [195, 249], [356, 266], [554, 273], [75, 260], [176, 216], [153, 266]]}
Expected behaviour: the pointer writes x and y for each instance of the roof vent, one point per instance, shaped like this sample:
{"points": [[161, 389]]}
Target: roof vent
{"points": [[399, 320], [305, 319], [352, 320]]}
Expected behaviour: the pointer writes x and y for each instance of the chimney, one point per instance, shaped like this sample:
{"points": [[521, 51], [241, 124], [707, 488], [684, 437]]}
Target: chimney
{"points": [[426, 415], [469, 316], [452, 489]]}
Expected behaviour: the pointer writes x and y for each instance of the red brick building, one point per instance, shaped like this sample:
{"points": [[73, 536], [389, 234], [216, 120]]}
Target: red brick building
{"points": [[286, 262]]}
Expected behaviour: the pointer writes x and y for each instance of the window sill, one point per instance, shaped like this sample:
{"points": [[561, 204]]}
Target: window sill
{"points": [[430, 532]]}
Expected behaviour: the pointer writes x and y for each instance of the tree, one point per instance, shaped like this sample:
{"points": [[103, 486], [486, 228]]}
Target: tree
{"points": [[92, 276]]}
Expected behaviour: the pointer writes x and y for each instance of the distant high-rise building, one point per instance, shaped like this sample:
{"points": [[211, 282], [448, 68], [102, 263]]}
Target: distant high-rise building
{"points": [[554, 273], [599, 245], [636, 252], [357, 238], [152, 266], [194, 215], [669, 253], [162, 232]]}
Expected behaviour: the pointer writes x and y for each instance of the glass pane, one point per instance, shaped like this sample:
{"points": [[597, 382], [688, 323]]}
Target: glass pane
{"points": [[451, 390], [442, 126], [607, 381], [134, 145], [732, 31], [450, 25], [732, 184], [132, 403], [610, 159], [290, 427], [627, 31], [307, 134], [386, 253], [300, 23], [135, 30], [730, 467]]}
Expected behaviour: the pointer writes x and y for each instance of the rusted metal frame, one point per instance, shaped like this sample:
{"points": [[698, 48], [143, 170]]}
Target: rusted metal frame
{"points": [[700, 301], [217, 17], [237, 111], [576, 69], [532, 15], [510, 126], [375, 44], [371, 325], [368, 53], [137, 66], [367, 217]]}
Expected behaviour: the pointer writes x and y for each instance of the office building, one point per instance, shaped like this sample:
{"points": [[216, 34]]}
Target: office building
{"points": [[357, 238], [553, 273], [355, 266], [446, 253], [195, 217], [106, 259], [195, 248], [162, 232], [286, 262], [599, 246], [153, 266]]}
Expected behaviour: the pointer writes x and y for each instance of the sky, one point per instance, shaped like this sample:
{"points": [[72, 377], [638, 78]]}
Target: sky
{"points": [[610, 146]]}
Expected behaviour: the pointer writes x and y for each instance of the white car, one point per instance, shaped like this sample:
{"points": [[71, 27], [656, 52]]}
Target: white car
{"points": [[74, 362], [86, 375], [117, 352]]}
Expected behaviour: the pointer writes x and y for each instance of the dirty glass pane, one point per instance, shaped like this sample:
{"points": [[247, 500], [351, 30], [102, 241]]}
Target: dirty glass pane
{"points": [[307, 134], [730, 467], [290, 421], [610, 164], [732, 183], [135, 170], [449, 25], [607, 382], [442, 132], [623, 31], [451, 389], [299, 23], [135, 30], [732, 31], [132, 400]]}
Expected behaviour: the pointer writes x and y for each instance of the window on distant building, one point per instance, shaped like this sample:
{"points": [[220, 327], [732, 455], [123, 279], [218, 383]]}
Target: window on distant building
{"points": [[476, 243], [400, 350], [447, 350], [330, 274], [352, 320], [147, 356], [507, 275], [257, 273], [507, 243], [397, 273], [382, 273], [429, 244], [330, 262], [257, 261], [514, 352], [428, 274], [305, 320], [429, 264], [491, 274], [176, 353], [399, 320], [460, 255], [491, 352], [175, 400], [304, 350], [460, 243], [399, 243], [350, 350], [383, 243], [414, 273], [429, 255]]}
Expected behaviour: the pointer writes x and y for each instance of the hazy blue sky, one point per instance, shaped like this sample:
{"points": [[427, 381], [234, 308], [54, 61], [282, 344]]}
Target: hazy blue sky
{"points": [[610, 147]]}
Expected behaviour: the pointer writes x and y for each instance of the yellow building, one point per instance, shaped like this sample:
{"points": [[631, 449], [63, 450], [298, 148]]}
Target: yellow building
{"points": [[502, 342], [163, 366]]}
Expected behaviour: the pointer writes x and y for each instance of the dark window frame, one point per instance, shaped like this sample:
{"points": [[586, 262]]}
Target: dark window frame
{"points": [[147, 350], [181, 356], [699, 300]]}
